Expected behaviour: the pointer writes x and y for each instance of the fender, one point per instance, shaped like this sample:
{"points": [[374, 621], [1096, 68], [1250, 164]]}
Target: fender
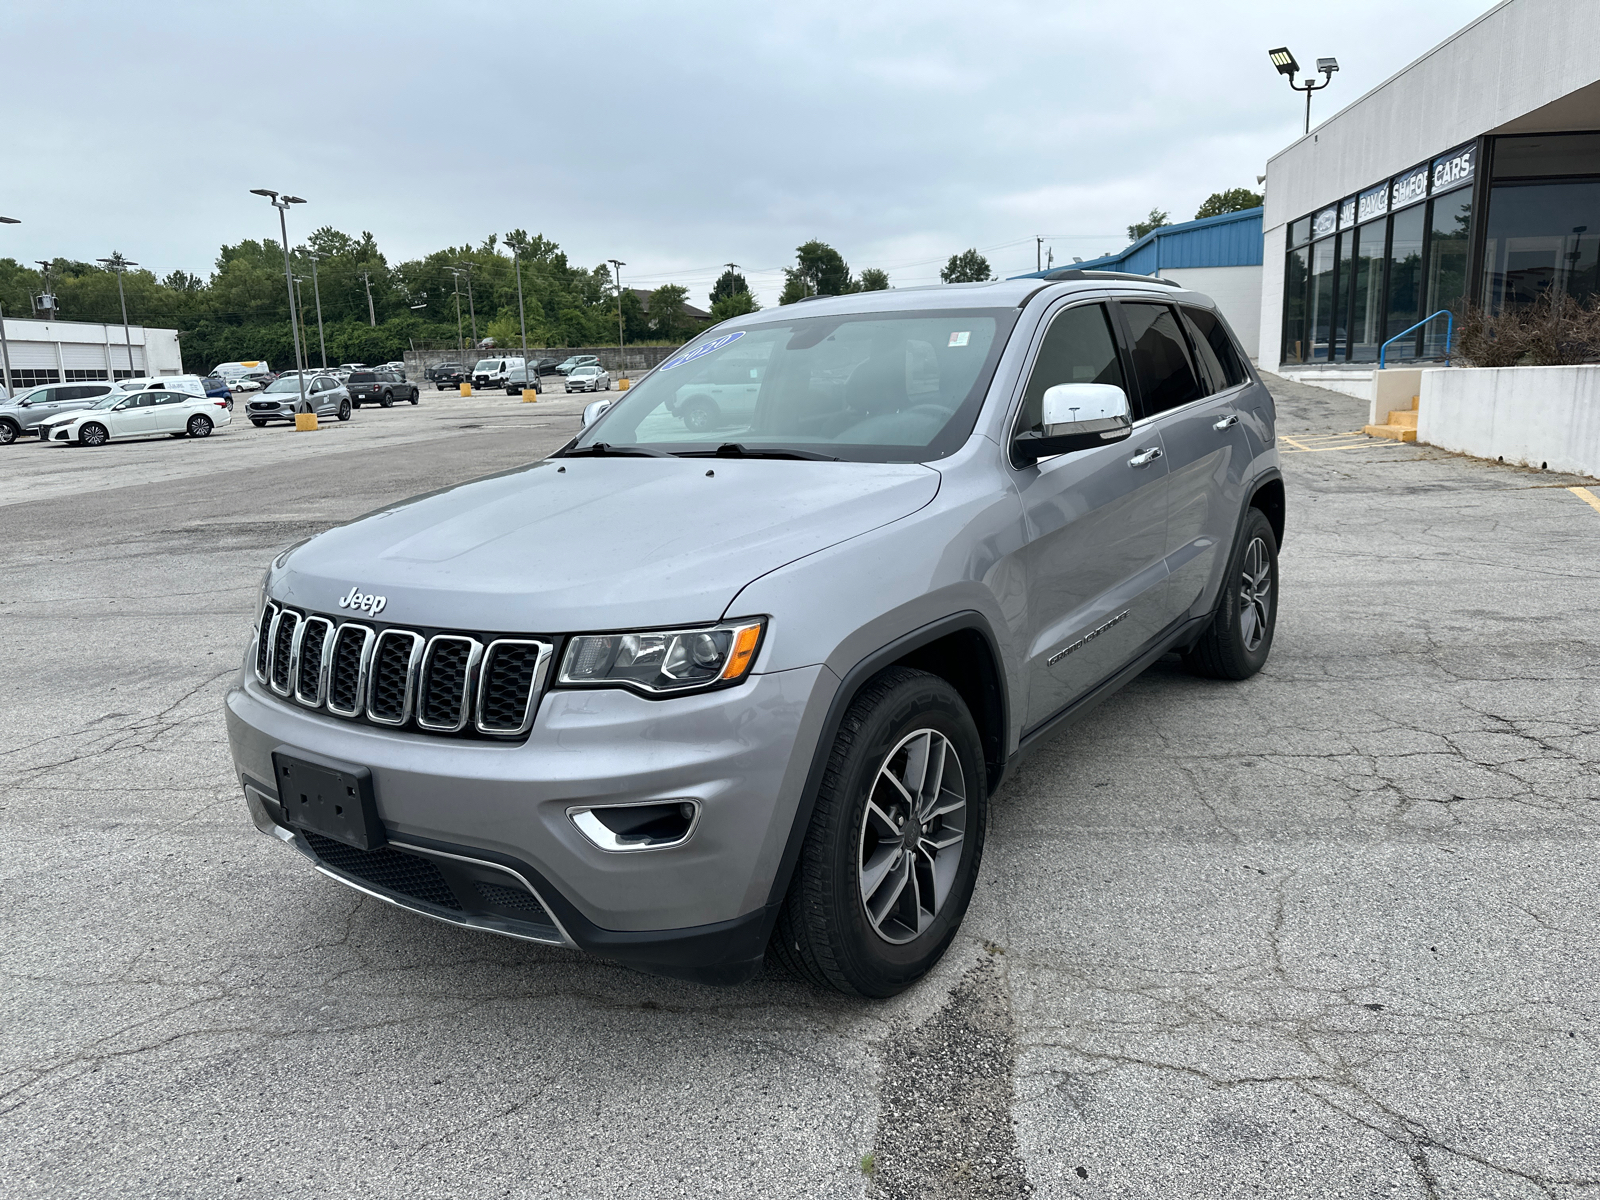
{"points": [[852, 682]]}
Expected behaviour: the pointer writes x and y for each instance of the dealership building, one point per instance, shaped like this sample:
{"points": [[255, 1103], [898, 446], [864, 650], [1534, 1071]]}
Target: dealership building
{"points": [[1471, 177], [76, 352]]}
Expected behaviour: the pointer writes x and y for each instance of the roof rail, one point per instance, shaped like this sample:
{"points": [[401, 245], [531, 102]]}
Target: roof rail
{"points": [[1075, 273]]}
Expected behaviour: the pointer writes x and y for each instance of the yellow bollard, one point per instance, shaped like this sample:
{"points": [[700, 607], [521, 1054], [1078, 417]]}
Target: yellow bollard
{"points": [[529, 396], [466, 388], [305, 421], [622, 384]]}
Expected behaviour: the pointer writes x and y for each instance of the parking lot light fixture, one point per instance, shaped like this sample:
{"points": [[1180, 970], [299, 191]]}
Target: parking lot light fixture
{"points": [[282, 205], [528, 384], [1287, 67], [455, 272], [118, 264]]}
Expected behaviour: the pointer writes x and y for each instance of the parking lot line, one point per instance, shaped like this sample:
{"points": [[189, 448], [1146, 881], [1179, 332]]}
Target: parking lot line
{"points": [[1588, 497]]}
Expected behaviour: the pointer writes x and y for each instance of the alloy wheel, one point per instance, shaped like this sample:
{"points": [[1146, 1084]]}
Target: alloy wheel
{"points": [[1255, 594], [92, 435], [8, 433], [911, 833], [199, 427]]}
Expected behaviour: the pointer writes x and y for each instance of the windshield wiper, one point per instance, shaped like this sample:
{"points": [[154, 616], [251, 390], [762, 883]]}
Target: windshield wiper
{"points": [[606, 449], [740, 450]]}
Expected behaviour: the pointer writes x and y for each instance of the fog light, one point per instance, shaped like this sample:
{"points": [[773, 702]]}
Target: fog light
{"points": [[623, 828]]}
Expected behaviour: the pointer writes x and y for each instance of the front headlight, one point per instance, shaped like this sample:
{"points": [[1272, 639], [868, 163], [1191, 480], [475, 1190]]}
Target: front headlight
{"points": [[664, 662]]}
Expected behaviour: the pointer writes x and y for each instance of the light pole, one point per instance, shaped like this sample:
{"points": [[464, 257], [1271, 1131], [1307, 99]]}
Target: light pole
{"points": [[118, 264], [456, 272], [618, 264], [300, 299], [371, 318], [5, 348], [317, 293], [522, 317], [282, 205], [471, 312], [1284, 61]]}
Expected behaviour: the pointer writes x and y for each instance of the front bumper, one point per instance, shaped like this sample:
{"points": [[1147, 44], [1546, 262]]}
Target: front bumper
{"points": [[699, 909]]}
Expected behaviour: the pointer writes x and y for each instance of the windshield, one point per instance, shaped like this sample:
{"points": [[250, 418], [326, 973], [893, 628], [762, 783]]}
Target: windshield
{"points": [[487, 364], [285, 383], [870, 387], [111, 401]]}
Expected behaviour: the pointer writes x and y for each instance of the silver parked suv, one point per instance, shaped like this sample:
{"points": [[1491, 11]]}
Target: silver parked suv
{"points": [[676, 695]]}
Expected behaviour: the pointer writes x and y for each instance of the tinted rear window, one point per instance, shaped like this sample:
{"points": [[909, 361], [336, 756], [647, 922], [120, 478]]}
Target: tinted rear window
{"points": [[363, 376]]}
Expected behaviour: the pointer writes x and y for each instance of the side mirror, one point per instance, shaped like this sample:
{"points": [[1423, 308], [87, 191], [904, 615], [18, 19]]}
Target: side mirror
{"points": [[1076, 416], [593, 412], [24, 403]]}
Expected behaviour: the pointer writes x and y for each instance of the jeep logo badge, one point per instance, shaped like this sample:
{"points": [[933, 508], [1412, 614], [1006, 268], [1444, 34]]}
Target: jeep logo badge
{"points": [[364, 601]]}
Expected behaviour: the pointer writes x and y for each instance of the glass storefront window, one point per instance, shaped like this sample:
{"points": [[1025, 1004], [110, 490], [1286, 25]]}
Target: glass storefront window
{"points": [[1547, 154], [1322, 261], [1366, 300], [1300, 232], [1405, 278], [1539, 236], [1341, 298], [1294, 305], [1450, 223]]}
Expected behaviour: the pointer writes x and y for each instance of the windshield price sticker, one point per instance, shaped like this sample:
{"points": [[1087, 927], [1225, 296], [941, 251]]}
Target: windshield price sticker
{"points": [[961, 339], [702, 351]]}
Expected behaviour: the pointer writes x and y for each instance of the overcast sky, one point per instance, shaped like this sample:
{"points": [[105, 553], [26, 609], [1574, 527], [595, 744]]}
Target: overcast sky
{"points": [[673, 136]]}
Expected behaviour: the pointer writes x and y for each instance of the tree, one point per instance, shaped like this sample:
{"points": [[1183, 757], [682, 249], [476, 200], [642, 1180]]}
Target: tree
{"points": [[1232, 200], [1155, 220], [665, 310], [729, 283], [874, 279], [819, 270], [734, 305], [967, 267]]}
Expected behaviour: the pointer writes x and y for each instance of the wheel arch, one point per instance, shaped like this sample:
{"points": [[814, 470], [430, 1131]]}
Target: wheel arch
{"points": [[1268, 496], [961, 649]]}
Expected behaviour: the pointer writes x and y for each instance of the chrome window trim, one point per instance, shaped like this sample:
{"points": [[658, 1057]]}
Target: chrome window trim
{"points": [[541, 671], [272, 654], [418, 644], [474, 660], [259, 662], [369, 639], [322, 667]]}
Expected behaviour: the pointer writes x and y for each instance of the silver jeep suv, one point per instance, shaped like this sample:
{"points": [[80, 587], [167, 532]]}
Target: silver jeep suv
{"points": [[678, 696]]}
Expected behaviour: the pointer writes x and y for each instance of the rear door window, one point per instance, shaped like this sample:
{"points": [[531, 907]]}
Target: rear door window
{"points": [[1160, 356], [1219, 358]]}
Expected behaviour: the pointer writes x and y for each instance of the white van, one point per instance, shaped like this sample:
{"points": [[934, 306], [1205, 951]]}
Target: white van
{"points": [[492, 372], [191, 385], [234, 371]]}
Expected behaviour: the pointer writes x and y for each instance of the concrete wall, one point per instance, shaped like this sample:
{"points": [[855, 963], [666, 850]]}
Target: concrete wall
{"points": [[1237, 292], [1533, 416], [1494, 74], [633, 358]]}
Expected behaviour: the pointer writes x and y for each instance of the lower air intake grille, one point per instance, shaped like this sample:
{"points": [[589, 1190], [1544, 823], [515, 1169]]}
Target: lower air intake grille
{"points": [[391, 870], [514, 900]]}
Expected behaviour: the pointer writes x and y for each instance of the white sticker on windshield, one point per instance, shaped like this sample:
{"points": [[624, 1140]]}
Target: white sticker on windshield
{"points": [[961, 339]]}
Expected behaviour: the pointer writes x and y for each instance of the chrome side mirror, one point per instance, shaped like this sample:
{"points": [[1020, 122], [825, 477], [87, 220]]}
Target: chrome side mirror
{"points": [[1076, 416], [593, 412]]}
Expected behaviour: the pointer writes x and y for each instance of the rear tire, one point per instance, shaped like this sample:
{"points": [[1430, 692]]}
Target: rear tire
{"points": [[344, 410], [199, 426], [1237, 642], [387, 401], [864, 827]]}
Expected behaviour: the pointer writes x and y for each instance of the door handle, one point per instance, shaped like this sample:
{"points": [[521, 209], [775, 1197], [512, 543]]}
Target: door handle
{"points": [[1145, 457], [1227, 422]]}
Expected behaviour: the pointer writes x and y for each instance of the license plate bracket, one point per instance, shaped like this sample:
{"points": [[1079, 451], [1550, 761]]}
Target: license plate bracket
{"points": [[326, 796]]}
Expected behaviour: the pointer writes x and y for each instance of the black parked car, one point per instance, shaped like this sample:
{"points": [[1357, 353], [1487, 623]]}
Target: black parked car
{"points": [[380, 387], [545, 366], [446, 373]]}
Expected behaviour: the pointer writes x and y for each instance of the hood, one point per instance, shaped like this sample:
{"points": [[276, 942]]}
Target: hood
{"points": [[601, 544]]}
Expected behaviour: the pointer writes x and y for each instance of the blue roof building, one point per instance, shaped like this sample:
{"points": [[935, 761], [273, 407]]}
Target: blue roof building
{"points": [[1220, 256]]}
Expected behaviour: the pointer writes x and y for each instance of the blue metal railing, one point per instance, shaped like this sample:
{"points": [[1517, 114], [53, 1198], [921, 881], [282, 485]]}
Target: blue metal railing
{"points": [[1449, 332]]}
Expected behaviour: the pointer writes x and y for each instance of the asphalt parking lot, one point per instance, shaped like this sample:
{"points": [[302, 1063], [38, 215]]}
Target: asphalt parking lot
{"points": [[1327, 933]]}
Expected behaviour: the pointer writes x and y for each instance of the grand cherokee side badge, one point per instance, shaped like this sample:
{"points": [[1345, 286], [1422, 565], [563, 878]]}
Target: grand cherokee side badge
{"points": [[369, 603], [1085, 639]]}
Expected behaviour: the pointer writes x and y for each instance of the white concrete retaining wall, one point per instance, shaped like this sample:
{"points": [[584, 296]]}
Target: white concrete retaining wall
{"points": [[1532, 416]]}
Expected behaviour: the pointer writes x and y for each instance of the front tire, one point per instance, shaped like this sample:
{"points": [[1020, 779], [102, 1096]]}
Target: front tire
{"points": [[258, 424], [699, 414], [1237, 642], [8, 432], [92, 435], [892, 853]]}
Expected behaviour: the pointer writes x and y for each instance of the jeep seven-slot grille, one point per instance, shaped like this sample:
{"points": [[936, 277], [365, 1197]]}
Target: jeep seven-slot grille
{"points": [[447, 683]]}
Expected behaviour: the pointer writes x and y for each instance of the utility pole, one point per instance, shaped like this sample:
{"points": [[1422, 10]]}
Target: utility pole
{"points": [[282, 205], [456, 271], [528, 380], [44, 267], [300, 298], [472, 312], [317, 292], [118, 264], [371, 316], [618, 264], [1038, 252]]}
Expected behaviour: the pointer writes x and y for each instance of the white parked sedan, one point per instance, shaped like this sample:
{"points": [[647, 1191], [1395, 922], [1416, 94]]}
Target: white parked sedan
{"points": [[588, 379], [142, 414]]}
